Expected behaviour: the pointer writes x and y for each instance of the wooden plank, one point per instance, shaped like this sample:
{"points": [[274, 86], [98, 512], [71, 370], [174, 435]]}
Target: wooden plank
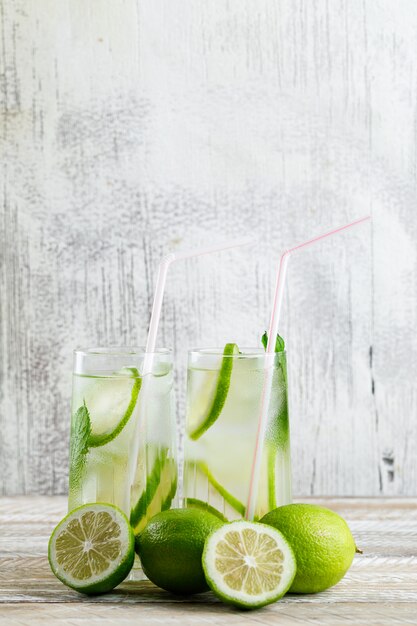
{"points": [[380, 587], [384, 613]]}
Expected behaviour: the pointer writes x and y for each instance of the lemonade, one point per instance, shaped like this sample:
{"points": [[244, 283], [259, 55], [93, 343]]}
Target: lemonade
{"points": [[122, 453], [223, 403]]}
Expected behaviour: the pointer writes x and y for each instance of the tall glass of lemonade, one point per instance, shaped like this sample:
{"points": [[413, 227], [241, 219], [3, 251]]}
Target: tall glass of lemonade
{"points": [[121, 451], [224, 392]]}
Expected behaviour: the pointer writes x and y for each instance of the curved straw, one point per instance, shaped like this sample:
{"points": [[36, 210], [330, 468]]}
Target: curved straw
{"points": [[163, 268], [149, 355], [269, 360]]}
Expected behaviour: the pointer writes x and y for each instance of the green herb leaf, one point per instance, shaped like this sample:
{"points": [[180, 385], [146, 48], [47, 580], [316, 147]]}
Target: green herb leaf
{"points": [[279, 345], [80, 434]]}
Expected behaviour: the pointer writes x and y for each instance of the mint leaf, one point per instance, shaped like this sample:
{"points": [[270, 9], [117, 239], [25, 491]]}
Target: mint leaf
{"points": [[80, 434], [279, 345], [280, 425]]}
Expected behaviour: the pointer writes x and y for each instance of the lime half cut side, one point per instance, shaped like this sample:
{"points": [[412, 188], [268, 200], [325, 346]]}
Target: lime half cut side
{"points": [[215, 402], [110, 403], [248, 564], [92, 548]]}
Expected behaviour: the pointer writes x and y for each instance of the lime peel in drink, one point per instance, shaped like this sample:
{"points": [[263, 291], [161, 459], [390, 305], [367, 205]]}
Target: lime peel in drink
{"points": [[83, 437], [97, 440], [220, 393], [195, 503], [160, 489], [228, 497]]}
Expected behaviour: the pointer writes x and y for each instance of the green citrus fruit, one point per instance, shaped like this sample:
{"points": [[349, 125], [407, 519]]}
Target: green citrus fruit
{"points": [[322, 543], [92, 548], [170, 549], [248, 564]]}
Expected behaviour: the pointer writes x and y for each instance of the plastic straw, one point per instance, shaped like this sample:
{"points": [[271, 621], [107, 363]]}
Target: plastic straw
{"points": [[163, 268], [269, 360], [149, 355]]}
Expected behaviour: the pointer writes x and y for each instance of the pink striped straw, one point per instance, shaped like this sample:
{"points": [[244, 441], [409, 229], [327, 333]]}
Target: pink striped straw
{"points": [[149, 355], [269, 360]]}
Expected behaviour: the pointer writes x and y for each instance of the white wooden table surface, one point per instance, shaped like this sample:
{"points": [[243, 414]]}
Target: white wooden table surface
{"points": [[380, 588]]}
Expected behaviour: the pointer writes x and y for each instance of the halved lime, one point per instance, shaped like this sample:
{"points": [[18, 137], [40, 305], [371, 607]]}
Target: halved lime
{"points": [[248, 564], [217, 396], [92, 548], [159, 491]]}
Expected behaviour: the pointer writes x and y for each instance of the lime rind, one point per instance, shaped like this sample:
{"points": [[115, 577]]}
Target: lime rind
{"points": [[195, 503], [82, 436], [159, 491], [271, 462], [220, 393], [166, 503], [203, 468], [105, 578], [229, 567], [102, 439], [322, 543], [171, 546]]}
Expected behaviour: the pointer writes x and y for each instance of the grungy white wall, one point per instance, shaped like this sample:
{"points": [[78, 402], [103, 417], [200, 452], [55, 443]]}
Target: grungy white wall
{"points": [[131, 128]]}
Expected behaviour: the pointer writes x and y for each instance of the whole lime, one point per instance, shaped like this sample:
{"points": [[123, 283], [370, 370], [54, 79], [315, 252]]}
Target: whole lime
{"points": [[171, 546], [321, 541]]}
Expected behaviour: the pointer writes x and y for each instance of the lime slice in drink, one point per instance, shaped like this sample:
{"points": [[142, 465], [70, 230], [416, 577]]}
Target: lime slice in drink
{"points": [[110, 403], [215, 397], [92, 549], [195, 503], [159, 491], [248, 564], [201, 483]]}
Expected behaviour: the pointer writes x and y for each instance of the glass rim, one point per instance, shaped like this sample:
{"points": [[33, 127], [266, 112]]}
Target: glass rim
{"points": [[119, 351], [245, 353]]}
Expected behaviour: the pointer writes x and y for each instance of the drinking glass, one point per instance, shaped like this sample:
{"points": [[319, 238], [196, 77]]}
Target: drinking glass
{"points": [[223, 403], [123, 441]]}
